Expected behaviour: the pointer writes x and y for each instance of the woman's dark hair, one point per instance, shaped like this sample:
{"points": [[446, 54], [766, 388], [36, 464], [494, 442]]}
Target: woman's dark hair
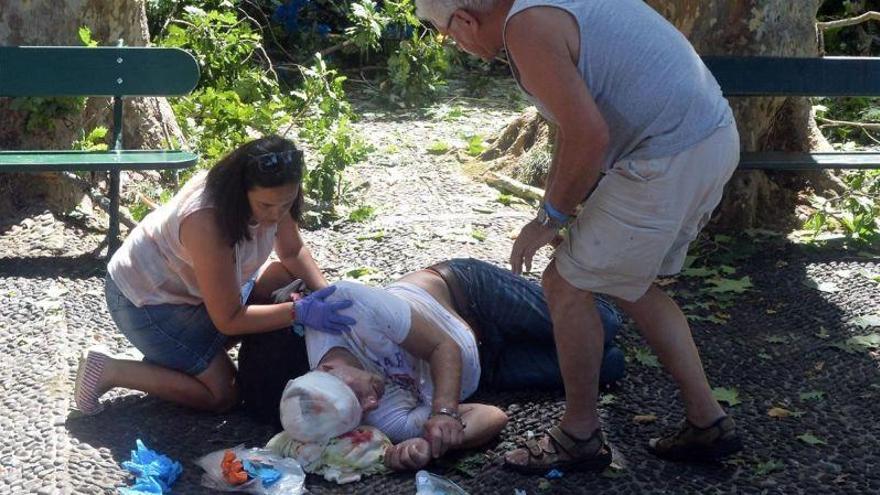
{"points": [[270, 161]]}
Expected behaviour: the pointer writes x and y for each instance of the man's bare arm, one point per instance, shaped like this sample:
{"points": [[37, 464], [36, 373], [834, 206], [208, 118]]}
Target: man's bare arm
{"points": [[538, 41]]}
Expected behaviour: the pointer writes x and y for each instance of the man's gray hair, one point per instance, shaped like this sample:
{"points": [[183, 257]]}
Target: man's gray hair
{"points": [[438, 12]]}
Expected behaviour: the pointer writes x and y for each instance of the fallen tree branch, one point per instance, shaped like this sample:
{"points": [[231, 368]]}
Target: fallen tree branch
{"points": [[850, 21], [844, 123], [821, 27], [514, 186]]}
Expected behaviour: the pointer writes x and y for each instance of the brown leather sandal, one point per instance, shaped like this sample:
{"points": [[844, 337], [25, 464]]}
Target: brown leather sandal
{"points": [[558, 450], [694, 444]]}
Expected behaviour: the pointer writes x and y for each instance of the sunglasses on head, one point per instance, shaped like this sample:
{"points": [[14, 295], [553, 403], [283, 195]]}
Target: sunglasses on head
{"points": [[273, 162]]}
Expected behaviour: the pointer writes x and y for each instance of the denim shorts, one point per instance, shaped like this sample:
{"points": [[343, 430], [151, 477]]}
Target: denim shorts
{"points": [[181, 337]]}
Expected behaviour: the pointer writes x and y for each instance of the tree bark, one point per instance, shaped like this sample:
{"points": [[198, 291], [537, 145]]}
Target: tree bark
{"points": [[149, 122], [759, 27], [724, 27]]}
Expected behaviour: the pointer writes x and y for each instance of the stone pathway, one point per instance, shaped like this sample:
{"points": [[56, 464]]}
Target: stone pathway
{"points": [[775, 350]]}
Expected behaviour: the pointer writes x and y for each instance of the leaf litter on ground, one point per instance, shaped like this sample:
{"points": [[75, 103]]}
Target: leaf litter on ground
{"points": [[729, 396]]}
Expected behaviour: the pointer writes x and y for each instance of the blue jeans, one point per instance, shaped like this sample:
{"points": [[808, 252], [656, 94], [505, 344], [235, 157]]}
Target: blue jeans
{"points": [[177, 336], [517, 348]]}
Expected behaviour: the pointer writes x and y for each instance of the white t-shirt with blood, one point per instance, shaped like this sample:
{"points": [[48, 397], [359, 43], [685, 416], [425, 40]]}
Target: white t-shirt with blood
{"points": [[383, 323]]}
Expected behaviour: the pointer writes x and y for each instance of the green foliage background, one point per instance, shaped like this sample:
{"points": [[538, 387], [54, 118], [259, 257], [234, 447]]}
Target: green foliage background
{"points": [[278, 67], [856, 212]]}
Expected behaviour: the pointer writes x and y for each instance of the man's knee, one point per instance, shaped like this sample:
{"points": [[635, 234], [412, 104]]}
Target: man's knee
{"points": [[557, 289]]}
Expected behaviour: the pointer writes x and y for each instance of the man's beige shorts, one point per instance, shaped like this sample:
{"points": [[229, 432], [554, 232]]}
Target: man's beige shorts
{"points": [[638, 222]]}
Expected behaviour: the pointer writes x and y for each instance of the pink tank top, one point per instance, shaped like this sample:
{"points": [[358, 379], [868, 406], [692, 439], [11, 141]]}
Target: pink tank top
{"points": [[152, 266]]}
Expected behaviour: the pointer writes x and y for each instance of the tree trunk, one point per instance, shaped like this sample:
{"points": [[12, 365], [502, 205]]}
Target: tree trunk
{"points": [[717, 27], [149, 122]]}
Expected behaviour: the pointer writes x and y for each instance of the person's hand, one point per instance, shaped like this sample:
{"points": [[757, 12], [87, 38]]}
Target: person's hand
{"points": [[411, 454], [443, 433], [531, 238], [313, 311]]}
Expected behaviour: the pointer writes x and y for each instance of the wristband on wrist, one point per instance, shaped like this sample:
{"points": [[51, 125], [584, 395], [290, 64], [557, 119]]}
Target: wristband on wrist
{"points": [[556, 214], [295, 327], [452, 413]]}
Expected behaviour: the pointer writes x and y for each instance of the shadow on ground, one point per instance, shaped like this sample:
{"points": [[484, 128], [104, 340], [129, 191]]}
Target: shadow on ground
{"points": [[782, 347]]}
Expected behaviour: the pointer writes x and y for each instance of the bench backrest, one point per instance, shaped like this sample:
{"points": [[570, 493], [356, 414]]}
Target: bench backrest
{"points": [[96, 71], [787, 76]]}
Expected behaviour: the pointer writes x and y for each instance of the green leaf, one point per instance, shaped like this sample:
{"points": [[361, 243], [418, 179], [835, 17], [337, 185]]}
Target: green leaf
{"points": [[361, 272], [612, 472], [372, 236], [736, 286], [85, 36], [810, 439], [859, 343], [471, 465], [866, 321], [699, 272], [816, 395], [478, 235], [438, 148], [475, 145], [771, 466], [361, 214], [870, 275], [730, 396], [646, 358], [505, 199]]}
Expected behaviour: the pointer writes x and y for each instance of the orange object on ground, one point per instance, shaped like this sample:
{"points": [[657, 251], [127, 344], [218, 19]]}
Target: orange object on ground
{"points": [[233, 471]]}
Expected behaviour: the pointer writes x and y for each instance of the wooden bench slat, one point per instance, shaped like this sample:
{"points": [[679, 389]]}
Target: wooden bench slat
{"points": [[96, 71], [784, 160], [788, 76], [53, 161]]}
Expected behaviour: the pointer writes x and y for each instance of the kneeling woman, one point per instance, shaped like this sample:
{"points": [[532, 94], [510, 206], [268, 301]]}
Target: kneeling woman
{"points": [[179, 286]]}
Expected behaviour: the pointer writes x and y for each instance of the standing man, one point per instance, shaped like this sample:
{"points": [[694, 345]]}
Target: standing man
{"points": [[645, 144]]}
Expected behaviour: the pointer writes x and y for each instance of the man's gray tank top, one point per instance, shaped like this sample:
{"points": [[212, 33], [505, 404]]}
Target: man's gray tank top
{"points": [[653, 90]]}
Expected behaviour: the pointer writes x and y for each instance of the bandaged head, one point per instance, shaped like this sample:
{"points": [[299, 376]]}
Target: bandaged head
{"points": [[318, 406]]}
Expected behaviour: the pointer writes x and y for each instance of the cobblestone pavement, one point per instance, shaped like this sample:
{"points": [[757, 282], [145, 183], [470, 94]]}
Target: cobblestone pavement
{"points": [[777, 350]]}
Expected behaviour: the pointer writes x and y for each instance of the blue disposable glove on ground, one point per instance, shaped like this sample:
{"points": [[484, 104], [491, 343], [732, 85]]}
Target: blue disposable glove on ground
{"points": [[154, 472], [313, 311], [267, 475]]}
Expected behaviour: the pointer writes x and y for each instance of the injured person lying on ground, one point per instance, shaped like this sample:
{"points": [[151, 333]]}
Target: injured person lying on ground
{"points": [[425, 343]]}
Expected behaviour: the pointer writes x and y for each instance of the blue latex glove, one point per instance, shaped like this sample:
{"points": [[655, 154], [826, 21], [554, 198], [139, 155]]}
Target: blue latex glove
{"points": [[267, 475], [313, 311], [154, 472]]}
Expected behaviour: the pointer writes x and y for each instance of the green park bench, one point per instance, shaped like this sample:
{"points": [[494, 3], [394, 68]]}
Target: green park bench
{"points": [[117, 72], [781, 76]]}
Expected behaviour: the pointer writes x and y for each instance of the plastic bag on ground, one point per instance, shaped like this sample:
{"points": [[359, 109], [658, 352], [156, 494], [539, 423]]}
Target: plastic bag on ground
{"points": [[432, 484], [317, 407], [344, 459], [260, 464]]}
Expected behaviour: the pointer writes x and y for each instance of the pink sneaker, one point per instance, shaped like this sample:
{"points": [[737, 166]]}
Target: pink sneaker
{"points": [[88, 375]]}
